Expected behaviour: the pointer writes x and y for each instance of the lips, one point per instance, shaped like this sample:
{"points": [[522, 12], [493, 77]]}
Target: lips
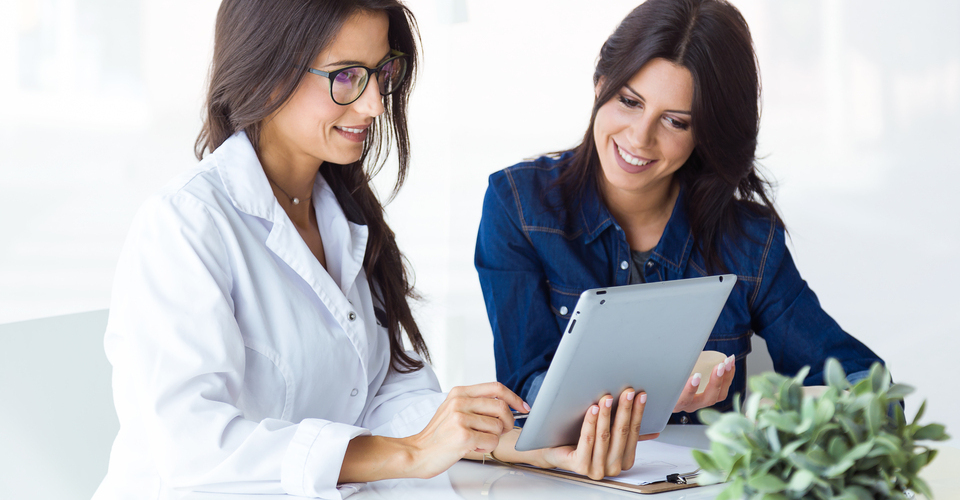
{"points": [[353, 134], [631, 163]]}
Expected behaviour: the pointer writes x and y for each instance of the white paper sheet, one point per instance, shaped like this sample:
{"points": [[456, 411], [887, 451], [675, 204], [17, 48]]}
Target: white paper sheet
{"points": [[655, 460]]}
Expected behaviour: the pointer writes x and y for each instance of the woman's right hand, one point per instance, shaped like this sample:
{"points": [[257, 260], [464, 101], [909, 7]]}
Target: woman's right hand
{"points": [[471, 419]]}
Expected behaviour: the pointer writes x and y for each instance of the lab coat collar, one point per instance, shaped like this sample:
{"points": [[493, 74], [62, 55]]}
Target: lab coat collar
{"points": [[344, 242]]}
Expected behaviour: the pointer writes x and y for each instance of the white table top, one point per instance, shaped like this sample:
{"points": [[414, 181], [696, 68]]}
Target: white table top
{"points": [[475, 481]]}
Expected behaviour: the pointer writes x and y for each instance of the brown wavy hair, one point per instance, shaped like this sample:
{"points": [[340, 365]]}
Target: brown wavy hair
{"points": [[259, 46], [710, 39]]}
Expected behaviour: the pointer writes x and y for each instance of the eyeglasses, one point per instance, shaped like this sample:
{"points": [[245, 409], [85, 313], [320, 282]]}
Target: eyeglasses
{"points": [[347, 84]]}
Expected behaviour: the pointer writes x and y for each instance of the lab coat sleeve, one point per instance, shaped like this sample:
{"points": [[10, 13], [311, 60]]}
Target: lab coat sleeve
{"points": [[178, 358], [405, 402]]}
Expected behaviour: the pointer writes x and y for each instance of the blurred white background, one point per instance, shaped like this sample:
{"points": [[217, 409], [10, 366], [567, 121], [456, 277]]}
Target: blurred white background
{"points": [[861, 120]]}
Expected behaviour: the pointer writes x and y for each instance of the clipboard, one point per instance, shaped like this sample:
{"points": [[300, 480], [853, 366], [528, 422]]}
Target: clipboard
{"points": [[679, 482]]}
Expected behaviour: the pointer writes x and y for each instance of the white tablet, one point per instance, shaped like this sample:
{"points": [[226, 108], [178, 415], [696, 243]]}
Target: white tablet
{"points": [[645, 336]]}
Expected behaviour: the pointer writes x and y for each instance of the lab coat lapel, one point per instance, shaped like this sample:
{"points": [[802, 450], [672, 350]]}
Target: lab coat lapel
{"points": [[250, 192]]}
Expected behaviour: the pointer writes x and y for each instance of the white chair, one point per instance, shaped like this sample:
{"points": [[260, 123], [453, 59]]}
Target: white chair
{"points": [[57, 421]]}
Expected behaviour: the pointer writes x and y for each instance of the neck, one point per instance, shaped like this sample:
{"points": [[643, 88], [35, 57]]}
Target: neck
{"points": [[291, 179], [643, 215]]}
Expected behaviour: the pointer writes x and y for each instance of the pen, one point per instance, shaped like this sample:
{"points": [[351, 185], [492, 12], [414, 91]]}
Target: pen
{"points": [[519, 416]]}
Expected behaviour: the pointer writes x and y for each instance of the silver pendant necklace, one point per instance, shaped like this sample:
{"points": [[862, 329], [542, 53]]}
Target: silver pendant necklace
{"points": [[293, 199]]}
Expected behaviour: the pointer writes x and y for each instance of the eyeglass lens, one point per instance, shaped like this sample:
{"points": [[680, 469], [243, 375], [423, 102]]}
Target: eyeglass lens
{"points": [[350, 82]]}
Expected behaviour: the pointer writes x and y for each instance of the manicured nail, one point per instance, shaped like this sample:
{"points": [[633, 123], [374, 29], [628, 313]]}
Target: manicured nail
{"points": [[594, 409], [643, 398], [728, 363], [630, 395], [695, 380], [608, 402], [526, 406], [720, 369]]}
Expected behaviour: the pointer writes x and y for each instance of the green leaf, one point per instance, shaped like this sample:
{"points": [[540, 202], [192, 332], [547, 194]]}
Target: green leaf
{"points": [[773, 439], [732, 492], [708, 416], [875, 416], [707, 477], [763, 385], [801, 481], [753, 404], [899, 391], [935, 432], [838, 447], [858, 492], [825, 411], [705, 461], [787, 422], [792, 447], [833, 372], [879, 377], [767, 483], [854, 430], [838, 468], [923, 406], [921, 486]]}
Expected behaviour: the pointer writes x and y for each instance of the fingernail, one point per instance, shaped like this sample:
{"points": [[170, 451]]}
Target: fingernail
{"points": [[720, 369], [608, 402], [643, 398], [526, 406], [594, 409], [729, 362], [630, 395], [695, 380]]}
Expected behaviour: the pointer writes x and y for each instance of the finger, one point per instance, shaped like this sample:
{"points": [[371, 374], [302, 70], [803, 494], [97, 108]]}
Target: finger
{"points": [[712, 392], [602, 443], [636, 418], [588, 436], [488, 407], [689, 394], [647, 437], [731, 370], [620, 432], [494, 390]]}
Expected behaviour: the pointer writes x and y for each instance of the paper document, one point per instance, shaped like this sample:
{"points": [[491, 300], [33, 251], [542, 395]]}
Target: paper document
{"points": [[655, 460]]}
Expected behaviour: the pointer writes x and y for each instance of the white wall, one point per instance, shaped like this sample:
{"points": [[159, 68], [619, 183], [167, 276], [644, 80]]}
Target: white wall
{"points": [[861, 117]]}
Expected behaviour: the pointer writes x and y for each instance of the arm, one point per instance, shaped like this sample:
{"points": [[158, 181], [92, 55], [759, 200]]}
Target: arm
{"points": [[525, 330], [798, 332]]}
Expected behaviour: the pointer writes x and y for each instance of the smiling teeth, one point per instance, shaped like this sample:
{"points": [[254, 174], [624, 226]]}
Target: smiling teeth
{"points": [[352, 130], [633, 160]]}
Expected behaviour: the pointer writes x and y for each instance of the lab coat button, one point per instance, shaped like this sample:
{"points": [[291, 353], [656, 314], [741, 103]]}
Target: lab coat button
{"points": [[354, 392], [563, 310], [352, 316], [624, 265]]}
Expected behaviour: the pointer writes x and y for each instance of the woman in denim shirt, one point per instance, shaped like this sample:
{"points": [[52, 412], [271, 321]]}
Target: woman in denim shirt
{"points": [[663, 186]]}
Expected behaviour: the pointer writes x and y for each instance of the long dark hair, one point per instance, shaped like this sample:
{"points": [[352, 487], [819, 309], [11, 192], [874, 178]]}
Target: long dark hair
{"points": [[259, 47], [711, 40]]}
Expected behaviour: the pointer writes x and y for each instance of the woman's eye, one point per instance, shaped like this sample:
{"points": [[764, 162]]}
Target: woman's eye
{"points": [[630, 103], [677, 124]]}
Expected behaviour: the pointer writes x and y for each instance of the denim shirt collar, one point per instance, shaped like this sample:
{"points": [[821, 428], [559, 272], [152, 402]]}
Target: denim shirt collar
{"points": [[675, 246]]}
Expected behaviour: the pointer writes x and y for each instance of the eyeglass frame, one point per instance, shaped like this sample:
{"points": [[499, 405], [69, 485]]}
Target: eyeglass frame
{"points": [[371, 73]]}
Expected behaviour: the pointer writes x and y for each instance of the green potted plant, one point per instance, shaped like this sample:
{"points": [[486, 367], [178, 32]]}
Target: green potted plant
{"points": [[850, 442]]}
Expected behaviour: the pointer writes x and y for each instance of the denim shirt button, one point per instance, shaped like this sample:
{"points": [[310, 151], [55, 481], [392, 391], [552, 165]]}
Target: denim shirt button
{"points": [[684, 419], [624, 265], [649, 264], [563, 310]]}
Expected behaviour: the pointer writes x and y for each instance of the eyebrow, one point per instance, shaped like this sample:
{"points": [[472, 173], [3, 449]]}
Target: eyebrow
{"points": [[677, 111], [355, 63]]}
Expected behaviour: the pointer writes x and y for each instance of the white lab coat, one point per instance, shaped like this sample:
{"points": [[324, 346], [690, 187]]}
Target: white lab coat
{"points": [[239, 363]]}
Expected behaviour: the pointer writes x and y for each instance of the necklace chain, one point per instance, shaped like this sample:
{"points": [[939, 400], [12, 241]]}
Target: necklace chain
{"points": [[293, 199]]}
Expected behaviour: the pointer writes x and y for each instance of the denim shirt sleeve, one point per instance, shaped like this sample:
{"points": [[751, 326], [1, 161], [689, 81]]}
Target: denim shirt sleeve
{"points": [[515, 290], [798, 332]]}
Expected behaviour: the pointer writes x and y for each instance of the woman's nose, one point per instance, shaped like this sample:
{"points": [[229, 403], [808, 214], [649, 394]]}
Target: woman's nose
{"points": [[643, 132], [370, 102]]}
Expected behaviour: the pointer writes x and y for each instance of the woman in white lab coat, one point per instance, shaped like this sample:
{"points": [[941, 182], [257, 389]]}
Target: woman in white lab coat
{"points": [[259, 304]]}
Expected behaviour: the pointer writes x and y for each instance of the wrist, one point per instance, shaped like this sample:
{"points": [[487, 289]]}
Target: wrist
{"points": [[373, 458]]}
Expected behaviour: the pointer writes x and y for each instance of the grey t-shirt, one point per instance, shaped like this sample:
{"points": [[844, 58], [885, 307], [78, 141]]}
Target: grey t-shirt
{"points": [[636, 268]]}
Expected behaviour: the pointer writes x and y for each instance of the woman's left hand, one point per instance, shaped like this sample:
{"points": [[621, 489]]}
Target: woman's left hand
{"points": [[721, 376]]}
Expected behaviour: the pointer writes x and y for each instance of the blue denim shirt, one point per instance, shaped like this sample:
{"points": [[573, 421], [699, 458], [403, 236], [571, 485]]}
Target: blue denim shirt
{"points": [[534, 261]]}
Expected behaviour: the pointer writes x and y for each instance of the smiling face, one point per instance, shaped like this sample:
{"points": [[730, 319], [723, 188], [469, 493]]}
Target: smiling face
{"points": [[310, 128], [644, 134]]}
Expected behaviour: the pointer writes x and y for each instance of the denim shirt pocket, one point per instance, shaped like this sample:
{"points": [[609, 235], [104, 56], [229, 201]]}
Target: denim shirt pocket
{"points": [[563, 300]]}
